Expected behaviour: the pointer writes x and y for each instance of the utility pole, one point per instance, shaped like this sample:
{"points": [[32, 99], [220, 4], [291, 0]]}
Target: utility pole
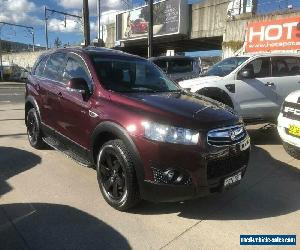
{"points": [[150, 29], [99, 19], [1, 68], [46, 28], [33, 43], [86, 22]]}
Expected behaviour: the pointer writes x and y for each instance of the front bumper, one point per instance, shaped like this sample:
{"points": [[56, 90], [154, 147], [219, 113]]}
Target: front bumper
{"points": [[171, 193], [207, 167], [283, 125]]}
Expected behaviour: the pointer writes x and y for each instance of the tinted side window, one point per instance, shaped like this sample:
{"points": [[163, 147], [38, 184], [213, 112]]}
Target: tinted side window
{"points": [[54, 67], [260, 67], [180, 66], [285, 66], [75, 68], [162, 64], [39, 70]]}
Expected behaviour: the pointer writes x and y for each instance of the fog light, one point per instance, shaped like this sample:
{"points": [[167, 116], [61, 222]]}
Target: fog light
{"points": [[179, 179], [169, 174]]}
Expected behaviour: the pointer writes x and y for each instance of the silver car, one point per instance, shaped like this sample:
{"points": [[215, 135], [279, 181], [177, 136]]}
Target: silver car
{"points": [[253, 85]]}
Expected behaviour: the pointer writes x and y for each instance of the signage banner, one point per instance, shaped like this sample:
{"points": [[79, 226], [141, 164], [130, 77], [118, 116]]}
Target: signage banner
{"points": [[273, 35], [167, 19]]}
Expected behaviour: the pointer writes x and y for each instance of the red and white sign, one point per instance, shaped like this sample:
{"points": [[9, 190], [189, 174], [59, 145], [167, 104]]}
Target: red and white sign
{"points": [[266, 36]]}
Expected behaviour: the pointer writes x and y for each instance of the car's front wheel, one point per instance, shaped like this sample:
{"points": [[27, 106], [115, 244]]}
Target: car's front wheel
{"points": [[292, 150], [34, 131], [116, 176]]}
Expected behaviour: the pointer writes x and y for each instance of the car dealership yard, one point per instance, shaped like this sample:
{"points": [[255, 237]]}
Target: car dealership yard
{"points": [[50, 201]]}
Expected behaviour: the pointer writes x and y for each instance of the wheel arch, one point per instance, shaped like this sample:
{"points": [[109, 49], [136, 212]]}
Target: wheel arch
{"points": [[30, 102], [107, 131]]}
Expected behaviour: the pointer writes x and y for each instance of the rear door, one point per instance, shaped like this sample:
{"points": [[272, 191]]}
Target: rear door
{"points": [[52, 88], [285, 75], [37, 82], [256, 97]]}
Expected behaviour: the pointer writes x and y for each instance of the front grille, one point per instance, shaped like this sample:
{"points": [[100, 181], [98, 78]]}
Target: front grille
{"points": [[226, 136], [291, 110], [222, 167]]}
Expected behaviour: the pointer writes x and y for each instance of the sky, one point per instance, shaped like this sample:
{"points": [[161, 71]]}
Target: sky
{"points": [[31, 13]]}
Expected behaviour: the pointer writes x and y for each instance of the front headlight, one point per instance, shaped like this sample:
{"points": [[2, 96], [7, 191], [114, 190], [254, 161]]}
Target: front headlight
{"points": [[164, 133]]}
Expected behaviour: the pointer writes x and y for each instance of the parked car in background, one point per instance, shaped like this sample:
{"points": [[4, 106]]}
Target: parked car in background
{"points": [[19, 74], [253, 85], [178, 68], [289, 124], [148, 138], [6, 71]]}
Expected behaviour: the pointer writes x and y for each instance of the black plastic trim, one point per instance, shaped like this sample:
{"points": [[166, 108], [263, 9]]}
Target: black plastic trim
{"points": [[30, 99], [121, 133]]}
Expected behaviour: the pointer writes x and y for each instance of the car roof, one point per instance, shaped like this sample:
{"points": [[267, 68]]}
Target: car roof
{"points": [[268, 55], [172, 57], [91, 50]]}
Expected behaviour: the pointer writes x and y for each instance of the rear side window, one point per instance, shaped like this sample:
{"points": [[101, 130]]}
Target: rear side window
{"points": [[54, 67], [39, 70], [180, 66], [285, 66], [261, 67], [75, 68]]}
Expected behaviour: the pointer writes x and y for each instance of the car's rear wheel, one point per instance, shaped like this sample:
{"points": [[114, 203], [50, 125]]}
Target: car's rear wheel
{"points": [[34, 131], [292, 150], [116, 176]]}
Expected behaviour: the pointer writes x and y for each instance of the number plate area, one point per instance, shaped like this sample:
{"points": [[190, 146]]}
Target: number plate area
{"points": [[294, 130], [232, 180]]}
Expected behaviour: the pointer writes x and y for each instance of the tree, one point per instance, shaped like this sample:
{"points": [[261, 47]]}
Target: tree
{"points": [[57, 43]]}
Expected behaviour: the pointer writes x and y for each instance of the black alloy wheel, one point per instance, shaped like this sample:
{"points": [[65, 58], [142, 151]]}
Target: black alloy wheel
{"points": [[116, 176], [34, 130], [112, 174]]}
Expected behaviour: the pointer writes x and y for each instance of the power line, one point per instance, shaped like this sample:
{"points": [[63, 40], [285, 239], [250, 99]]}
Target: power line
{"points": [[46, 18]]}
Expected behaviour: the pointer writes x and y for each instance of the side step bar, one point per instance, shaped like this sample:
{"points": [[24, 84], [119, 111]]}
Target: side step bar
{"points": [[52, 142]]}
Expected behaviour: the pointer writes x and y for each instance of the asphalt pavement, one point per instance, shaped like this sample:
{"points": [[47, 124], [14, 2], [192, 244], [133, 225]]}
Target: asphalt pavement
{"points": [[48, 201], [11, 92]]}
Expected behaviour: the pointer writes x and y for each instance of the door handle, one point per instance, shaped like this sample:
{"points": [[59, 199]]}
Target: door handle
{"points": [[270, 84]]}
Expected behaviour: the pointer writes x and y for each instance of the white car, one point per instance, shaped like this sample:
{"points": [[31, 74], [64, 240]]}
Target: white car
{"points": [[253, 85], [289, 124]]}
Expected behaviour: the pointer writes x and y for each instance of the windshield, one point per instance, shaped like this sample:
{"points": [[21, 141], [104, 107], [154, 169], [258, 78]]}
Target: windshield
{"points": [[226, 66], [123, 75]]}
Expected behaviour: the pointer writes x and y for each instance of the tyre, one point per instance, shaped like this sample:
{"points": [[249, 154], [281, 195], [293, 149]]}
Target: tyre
{"points": [[292, 150], [116, 176], [34, 131]]}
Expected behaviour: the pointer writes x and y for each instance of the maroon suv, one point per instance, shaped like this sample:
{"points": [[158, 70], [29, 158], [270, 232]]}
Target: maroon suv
{"points": [[147, 137]]}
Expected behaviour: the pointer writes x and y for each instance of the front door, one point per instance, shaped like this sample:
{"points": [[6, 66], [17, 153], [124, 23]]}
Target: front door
{"points": [[257, 97], [75, 119]]}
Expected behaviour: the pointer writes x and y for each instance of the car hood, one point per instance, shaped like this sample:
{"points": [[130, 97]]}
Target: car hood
{"points": [[188, 106], [199, 80], [293, 97]]}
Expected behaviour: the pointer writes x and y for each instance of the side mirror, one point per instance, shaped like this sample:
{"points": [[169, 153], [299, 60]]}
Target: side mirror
{"points": [[246, 74], [78, 85]]}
